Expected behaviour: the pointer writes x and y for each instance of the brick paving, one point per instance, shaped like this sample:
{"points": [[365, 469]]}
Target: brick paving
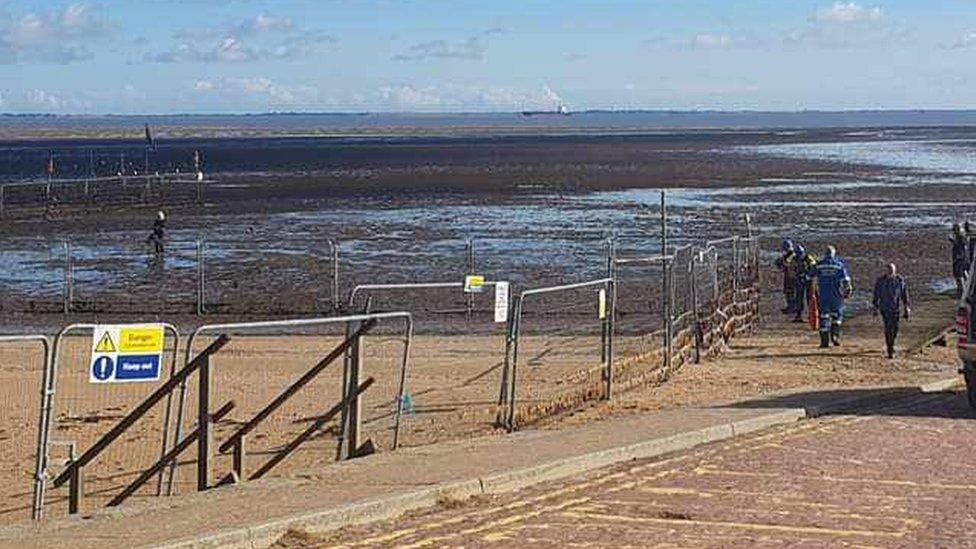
{"points": [[895, 474]]}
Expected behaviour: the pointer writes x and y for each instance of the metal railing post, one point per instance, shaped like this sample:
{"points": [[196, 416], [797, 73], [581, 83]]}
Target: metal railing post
{"points": [[204, 426], [68, 283], [666, 286], [335, 276], [694, 305], [201, 281], [471, 270]]}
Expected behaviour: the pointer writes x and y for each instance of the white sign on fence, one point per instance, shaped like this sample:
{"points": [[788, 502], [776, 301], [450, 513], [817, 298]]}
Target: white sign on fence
{"points": [[602, 304], [126, 353], [501, 302]]}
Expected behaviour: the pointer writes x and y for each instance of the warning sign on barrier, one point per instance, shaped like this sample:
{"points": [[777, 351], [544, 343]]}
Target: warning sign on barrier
{"points": [[126, 353], [501, 302], [473, 284]]}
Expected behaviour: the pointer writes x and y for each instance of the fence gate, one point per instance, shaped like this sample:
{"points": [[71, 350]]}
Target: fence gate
{"points": [[24, 366], [80, 412]]}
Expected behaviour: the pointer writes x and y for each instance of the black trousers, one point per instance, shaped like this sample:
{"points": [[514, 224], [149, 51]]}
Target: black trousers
{"points": [[890, 328]]}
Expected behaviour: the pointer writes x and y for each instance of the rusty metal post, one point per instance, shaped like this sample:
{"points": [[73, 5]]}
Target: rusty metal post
{"points": [[204, 426], [75, 491], [238, 458]]}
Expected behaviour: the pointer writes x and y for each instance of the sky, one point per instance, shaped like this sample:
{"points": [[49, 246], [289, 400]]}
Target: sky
{"points": [[235, 56]]}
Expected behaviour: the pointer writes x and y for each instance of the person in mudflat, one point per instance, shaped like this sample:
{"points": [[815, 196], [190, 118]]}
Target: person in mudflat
{"points": [[158, 234], [890, 294]]}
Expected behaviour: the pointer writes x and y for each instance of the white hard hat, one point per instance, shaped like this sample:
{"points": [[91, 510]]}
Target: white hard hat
{"points": [[161, 215]]}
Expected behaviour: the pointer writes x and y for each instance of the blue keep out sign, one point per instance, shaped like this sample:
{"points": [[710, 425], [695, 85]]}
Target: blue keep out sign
{"points": [[137, 368]]}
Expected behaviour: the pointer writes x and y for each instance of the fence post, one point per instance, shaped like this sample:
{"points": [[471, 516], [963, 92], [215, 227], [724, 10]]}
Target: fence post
{"points": [[3, 189], [471, 267], [608, 322], [735, 266], [694, 306], [666, 289], [335, 276], [67, 277], [204, 427], [201, 282], [350, 414], [503, 391], [513, 374], [75, 491]]}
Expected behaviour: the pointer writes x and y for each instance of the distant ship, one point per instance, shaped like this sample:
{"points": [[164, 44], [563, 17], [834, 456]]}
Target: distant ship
{"points": [[561, 110]]}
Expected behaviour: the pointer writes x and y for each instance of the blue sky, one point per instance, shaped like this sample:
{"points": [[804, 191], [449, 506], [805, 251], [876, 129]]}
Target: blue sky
{"points": [[163, 56]]}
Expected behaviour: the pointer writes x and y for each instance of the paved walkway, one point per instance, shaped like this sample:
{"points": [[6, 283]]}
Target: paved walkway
{"points": [[419, 477], [897, 474]]}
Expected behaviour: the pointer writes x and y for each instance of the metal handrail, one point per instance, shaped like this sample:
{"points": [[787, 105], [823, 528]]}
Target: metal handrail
{"points": [[296, 323]]}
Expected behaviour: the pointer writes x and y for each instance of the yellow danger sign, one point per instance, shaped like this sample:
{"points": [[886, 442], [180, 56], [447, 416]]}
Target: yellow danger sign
{"points": [[140, 340], [473, 284], [105, 345]]}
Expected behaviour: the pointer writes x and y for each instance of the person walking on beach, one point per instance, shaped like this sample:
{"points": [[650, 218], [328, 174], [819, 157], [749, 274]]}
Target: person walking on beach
{"points": [[787, 263], [803, 267], [960, 257], [158, 234], [833, 287], [890, 293], [970, 233]]}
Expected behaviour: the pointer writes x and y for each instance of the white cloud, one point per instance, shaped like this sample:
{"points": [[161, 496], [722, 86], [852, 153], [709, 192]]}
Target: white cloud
{"points": [[967, 40], [451, 96], [472, 49], [256, 90], [711, 41], [848, 12], [259, 38], [57, 36]]}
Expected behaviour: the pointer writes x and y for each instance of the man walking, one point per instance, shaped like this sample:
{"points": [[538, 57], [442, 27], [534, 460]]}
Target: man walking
{"points": [[833, 287], [890, 293], [960, 257]]}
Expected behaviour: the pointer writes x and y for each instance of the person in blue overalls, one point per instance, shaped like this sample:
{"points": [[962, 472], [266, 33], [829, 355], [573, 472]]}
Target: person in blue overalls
{"points": [[834, 285]]}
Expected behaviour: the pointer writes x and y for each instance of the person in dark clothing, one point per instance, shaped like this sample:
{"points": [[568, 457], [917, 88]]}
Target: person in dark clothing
{"points": [[803, 267], [158, 234], [890, 293], [970, 233], [960, 257], [787, 264]]}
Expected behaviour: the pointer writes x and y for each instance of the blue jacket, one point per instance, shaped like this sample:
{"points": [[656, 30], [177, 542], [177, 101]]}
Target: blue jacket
{"points": [[833, 282]]}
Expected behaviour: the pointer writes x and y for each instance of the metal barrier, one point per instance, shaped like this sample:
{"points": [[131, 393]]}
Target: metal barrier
{"points": [[40, 454], [349, 385], [73, 472], [86, 191], [48, 422], [509, 382]]}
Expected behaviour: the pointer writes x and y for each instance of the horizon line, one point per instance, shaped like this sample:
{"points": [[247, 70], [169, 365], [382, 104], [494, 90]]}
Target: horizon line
{"points": [[920, 110]]}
